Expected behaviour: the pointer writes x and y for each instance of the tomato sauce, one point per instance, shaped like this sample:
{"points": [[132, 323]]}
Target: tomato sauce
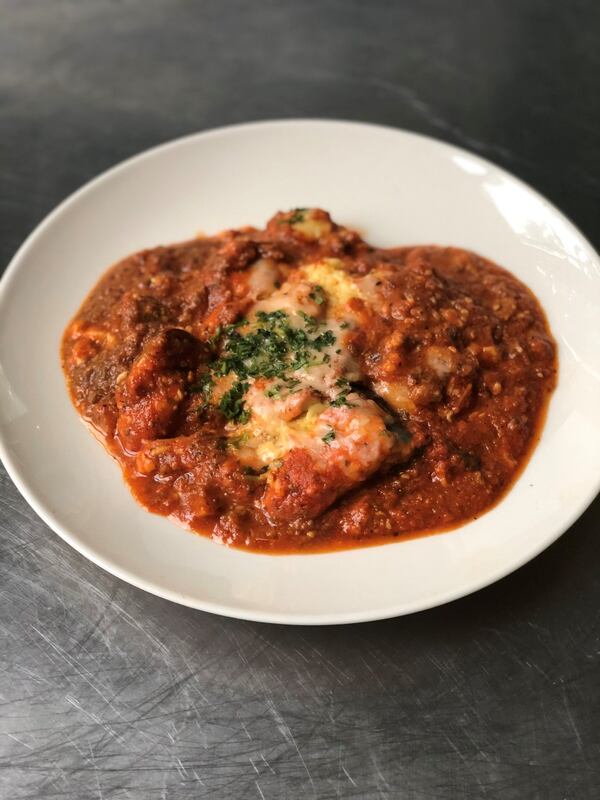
{"points": [[252, 401]]}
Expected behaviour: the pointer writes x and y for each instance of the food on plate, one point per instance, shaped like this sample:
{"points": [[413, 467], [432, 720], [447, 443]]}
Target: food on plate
{"points": [[296, 389]]}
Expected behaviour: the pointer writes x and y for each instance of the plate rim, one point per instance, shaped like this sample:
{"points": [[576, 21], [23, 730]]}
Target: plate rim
{"points": [[70, 536]]}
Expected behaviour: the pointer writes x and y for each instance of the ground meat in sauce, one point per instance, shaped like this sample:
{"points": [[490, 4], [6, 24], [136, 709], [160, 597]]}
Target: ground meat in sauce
{"points": [[295, 389]]}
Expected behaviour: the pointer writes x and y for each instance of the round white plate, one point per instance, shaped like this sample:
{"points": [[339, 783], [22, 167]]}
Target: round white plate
{"points": [[397, 188]]}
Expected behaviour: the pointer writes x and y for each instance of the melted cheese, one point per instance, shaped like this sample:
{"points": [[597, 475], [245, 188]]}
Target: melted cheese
{"points": [[262, 277], [311, 225], [329, 273], [351, 437], [282, 419]]}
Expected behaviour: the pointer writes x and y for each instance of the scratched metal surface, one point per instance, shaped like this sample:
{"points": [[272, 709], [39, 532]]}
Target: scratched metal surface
{"points": [[107, 692]]}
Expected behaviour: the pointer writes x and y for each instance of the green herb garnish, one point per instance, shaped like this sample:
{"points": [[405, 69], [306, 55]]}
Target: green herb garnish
{"points": [[212, 341], [297, 215], [204, 385], [323, 340], [231, 404], [311, 322], [318, 295], [274, 391], [268, 348], [329, 437], [341, 400], [236, 442]]}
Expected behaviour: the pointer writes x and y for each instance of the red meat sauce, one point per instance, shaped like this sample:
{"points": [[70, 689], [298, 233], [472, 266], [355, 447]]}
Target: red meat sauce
{"points": [[448, 365]]}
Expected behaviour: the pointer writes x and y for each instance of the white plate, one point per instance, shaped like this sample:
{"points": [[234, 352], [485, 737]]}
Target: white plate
{"points": [[396, 188]]}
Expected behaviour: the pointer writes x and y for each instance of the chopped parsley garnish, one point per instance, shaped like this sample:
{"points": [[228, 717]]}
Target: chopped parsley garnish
{"points": [[212, 342], [204, 384], [311, 322], [297, 215], [329, 437], [274, 391], [317, 295], [323, 340], [269, 348], [268, 317], [231, 404], [344, 325], [238, 441], [341, 400]]}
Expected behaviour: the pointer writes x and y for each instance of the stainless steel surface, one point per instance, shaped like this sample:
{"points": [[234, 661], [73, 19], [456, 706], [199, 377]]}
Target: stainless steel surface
{"points": [[110, 693]]}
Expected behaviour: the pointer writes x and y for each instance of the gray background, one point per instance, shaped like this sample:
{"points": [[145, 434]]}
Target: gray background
{"points": [[108, 692]]}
